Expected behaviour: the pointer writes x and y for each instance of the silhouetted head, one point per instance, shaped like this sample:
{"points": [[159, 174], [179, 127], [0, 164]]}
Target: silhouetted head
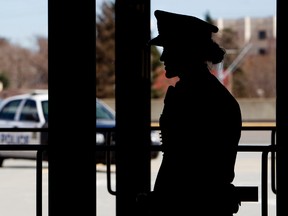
{"points": [[186, 41], [178, 28]]}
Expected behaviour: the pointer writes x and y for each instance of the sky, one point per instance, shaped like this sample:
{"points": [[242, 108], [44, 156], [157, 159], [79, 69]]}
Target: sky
{"points": [[225, 9], [21, 21]]}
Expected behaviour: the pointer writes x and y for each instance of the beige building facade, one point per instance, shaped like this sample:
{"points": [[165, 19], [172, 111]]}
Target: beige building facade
{"points": [[259, 32]]}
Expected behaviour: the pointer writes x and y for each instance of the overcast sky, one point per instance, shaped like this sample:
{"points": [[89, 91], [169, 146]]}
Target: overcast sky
{"points": [[22, 20], [216, 8]]}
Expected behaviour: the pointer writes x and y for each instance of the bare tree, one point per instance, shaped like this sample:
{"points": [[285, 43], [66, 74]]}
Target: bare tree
{"points": [[261, 74], [39, 62], [105, 51], [23, 68]]}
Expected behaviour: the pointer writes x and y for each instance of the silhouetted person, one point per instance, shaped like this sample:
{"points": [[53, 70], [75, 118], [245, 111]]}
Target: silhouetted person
{"points": [[200, 123]]}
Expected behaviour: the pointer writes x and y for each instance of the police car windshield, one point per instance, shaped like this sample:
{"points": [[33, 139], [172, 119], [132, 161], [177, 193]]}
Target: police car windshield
{"points": [[45, 109], [103, 113]]}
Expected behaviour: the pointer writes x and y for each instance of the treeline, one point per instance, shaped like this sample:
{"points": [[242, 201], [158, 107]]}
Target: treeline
{"points": [[23, 68]]}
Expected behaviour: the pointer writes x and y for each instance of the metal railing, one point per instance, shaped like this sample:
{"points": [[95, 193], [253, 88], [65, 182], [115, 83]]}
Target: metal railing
{"points": [[264, 149], [40, 149], [249, 194]]}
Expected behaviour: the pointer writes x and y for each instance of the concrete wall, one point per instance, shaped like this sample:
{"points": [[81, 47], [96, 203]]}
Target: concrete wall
{"points": [[252, 109]]}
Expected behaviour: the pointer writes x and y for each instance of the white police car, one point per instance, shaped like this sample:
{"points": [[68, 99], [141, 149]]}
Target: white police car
{"points": [[28, 110], [31, 111]]}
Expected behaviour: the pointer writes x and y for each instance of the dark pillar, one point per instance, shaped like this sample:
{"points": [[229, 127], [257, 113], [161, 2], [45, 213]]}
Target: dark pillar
{"points": [[71, 61], [132, 102], [282, 109]]}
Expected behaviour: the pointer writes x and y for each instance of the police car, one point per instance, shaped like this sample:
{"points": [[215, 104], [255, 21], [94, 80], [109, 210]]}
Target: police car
{"points": [[105, 120], [29, 110]]}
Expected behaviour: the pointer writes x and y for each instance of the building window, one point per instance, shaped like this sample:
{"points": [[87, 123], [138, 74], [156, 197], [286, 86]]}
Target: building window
{"points": [[262, 35], [262, 51]]}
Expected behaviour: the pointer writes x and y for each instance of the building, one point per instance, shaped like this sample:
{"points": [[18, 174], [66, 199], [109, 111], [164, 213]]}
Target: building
{"points": [[260, 32]]}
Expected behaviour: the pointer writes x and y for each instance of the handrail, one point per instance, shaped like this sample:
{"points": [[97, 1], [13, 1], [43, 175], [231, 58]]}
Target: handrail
{"points": [[39, 158], [40, 149], [24, 129], [265, 149], [24, 147]]}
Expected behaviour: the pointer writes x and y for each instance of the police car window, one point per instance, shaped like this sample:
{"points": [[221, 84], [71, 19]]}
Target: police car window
{"points": [[9, 110], [29, 112], [103, 113], [45, 110]]}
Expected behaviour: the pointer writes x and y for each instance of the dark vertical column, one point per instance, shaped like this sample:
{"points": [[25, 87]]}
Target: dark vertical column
{"points": [[282, 108], [132, 102], [71, 61]]}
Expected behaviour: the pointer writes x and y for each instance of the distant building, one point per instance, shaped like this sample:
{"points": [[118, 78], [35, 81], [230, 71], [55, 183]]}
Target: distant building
{"points": [[260, 32]]}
